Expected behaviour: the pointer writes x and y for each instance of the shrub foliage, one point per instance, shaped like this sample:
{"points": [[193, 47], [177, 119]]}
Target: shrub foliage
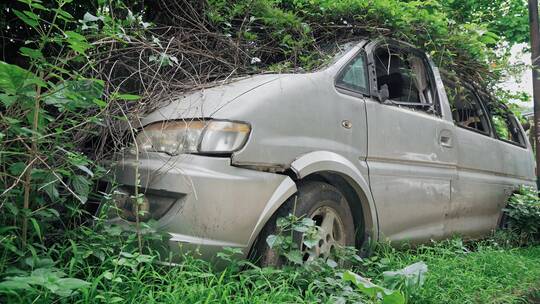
{"points": [[523, 215]]}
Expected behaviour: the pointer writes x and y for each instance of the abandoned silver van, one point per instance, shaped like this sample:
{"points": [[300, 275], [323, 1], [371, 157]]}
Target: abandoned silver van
{"points": [[372, 147]]}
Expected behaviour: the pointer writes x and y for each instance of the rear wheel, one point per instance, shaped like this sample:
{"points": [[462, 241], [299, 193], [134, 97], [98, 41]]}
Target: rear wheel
{"points": [[329, 210]]}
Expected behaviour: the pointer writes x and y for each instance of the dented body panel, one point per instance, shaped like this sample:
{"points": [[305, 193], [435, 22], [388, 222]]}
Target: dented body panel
{"points": [[199, 218], [416, 175]]}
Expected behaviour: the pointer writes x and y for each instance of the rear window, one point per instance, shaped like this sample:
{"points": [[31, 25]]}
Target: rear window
{"points": [[477, 111], [467, 109], [506, 126]]}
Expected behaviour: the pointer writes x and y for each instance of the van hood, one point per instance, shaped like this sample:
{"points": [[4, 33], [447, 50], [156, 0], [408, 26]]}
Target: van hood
{"points": [[207, 102]]}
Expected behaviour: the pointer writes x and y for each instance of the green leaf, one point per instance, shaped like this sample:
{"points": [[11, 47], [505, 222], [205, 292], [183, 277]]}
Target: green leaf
{"points": [[76, 94], [295, 256], [36, 5], [127, 97], [10, 285], [75, 36], [81, 186], [15, 80], [363, 284], [36, 228], [7, 100], [373, 290], [72, 283], [66, 16], [310, 242], [86, 170], [40, 264], [77, 42], [273, 240], [144, 258], [395, 297], [32, 53], [282, 222], [17, 168], [31, 15], [100, 103], [50, 186], [108, 275], [127, 254], [331, 263], [116, 300], [30, 21], [306, 221], [12, 208], [489, 38]]}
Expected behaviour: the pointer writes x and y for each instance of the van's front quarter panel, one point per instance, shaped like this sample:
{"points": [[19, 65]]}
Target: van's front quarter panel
{"points": [[296, 115]]}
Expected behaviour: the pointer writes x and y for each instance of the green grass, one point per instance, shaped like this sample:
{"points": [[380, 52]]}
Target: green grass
{"points": [[489, 273]]}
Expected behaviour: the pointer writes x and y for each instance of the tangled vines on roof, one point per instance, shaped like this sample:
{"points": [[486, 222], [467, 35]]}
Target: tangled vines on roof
{"points": [[196, 44]]}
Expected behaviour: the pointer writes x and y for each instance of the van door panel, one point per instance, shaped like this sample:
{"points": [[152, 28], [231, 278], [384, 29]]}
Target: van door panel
{"points": [[410, 171], [478, 194], [489, 169]]}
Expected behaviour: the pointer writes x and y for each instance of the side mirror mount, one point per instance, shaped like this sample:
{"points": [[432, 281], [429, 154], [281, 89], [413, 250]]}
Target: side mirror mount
{"points": [[383, 93]]}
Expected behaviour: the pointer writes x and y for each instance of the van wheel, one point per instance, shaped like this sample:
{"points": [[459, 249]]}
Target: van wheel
{"points": [[327, 207]]}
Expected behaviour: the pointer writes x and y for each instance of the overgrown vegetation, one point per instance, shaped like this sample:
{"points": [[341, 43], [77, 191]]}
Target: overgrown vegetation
{"points": [[108, 268], [78, 75], [103, 264], [522, 216]]}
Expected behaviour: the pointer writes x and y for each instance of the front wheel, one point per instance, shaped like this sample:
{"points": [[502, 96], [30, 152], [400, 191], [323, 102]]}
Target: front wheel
{"points": [[330, 211]]}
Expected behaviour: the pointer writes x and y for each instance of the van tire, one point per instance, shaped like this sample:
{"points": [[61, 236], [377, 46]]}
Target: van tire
{"points": [[321, 202]]}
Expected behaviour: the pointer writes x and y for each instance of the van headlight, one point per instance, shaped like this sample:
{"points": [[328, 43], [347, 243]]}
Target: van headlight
{"points": [[196, 136]]}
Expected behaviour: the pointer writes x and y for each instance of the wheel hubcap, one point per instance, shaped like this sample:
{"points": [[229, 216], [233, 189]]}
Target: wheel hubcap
{"points": [[331, 234]]}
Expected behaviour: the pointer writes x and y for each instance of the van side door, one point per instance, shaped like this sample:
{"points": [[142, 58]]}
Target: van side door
{"points": [[411, 148], [494, 158], [517, 158], [478, 193]]}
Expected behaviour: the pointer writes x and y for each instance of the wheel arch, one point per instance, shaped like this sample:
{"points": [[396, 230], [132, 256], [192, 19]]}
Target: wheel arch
{"points": [[340, 173]]}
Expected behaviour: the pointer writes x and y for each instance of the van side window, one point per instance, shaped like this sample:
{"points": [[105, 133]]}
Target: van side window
{"points": [[405, 75], [354, 75], [505, 125], [467, 110]]}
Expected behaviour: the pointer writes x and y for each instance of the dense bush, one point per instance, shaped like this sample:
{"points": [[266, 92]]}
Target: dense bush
{"points": [[523, 215]]}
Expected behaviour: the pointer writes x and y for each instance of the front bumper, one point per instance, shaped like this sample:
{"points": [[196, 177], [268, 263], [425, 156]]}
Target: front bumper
{"points": [[216, 205]]}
